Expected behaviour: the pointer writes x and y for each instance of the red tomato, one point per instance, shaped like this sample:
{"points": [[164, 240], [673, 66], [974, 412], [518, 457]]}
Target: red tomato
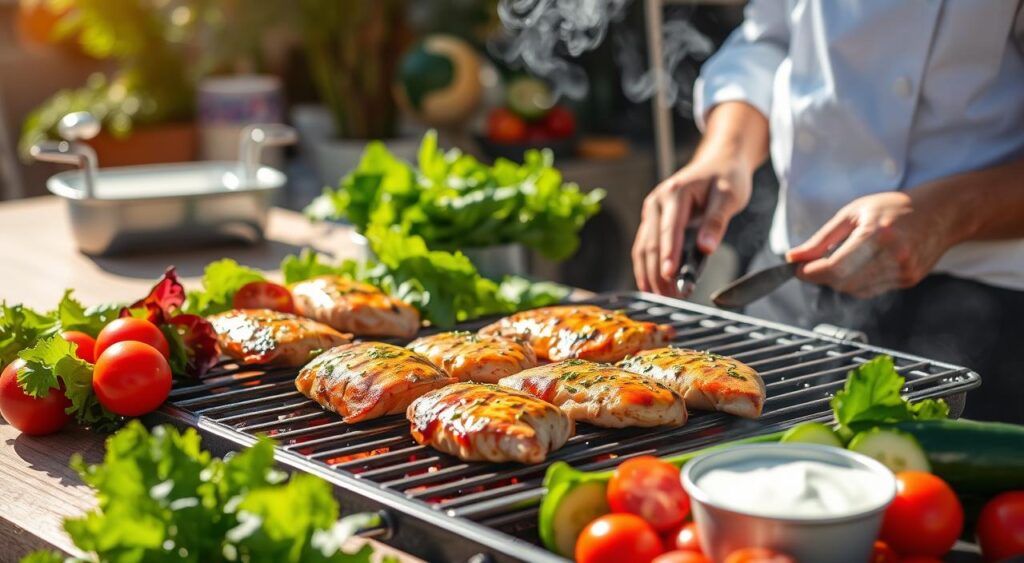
{"points": [[686, 538], [681, 556], [650, 488], [920, 559], [618, 538], [503, 126], [559, 123], [31, 415], [758, 555], [86, 345], [131, 378], [136, 330], [884, 554], [1000, 530], [925, 518], [264, 295]]}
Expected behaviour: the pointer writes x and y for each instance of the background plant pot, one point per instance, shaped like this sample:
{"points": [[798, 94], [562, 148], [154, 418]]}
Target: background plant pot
{"points": [[493, 262], [156, 144]]}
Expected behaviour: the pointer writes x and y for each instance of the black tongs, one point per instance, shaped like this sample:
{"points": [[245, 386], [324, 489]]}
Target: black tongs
{"points": [[691, 264]]}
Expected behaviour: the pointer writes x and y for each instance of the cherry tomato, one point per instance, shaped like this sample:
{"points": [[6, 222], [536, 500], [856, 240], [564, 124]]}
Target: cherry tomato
{"points": [[650, 488], [503, 126], [86, 345], [882, 553], [264, 295], [618, 538], [925, 518], [681, 556], [686, 538], [920, 559], [559, 123], [131, 378], [1000, 530], [758, 555], [136, 330], [31, 415]]}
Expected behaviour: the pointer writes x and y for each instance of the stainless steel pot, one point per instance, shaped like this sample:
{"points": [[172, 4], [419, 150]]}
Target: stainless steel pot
{"points": [[115, 210]]}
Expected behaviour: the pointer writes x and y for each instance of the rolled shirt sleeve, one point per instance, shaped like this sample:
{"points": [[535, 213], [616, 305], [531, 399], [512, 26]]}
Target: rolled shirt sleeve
{"points": [[744, 67]]}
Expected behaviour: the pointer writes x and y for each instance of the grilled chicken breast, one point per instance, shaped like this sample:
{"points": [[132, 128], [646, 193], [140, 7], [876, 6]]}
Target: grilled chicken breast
{"points": [[262, 336], [475, 357], [706, 381], [601, 394], [581, 331], [366, 380], [356, 307], [478, 422]]}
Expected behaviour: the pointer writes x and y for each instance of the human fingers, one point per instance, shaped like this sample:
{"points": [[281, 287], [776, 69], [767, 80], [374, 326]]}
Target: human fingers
{"points": [[830, 234]]}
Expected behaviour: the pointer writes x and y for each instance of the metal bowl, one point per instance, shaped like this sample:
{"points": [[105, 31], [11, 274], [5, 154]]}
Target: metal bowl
{"points": [[848, 538], [166, 206]]}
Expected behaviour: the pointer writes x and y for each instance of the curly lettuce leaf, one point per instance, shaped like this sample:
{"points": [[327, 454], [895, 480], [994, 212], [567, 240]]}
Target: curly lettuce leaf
{"points": [[871, 395], [72, 315], [454, 201], [221, 280], [20, 327]]}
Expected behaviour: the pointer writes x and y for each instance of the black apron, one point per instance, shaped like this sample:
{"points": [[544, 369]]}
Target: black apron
{"points": [[943, 318]]}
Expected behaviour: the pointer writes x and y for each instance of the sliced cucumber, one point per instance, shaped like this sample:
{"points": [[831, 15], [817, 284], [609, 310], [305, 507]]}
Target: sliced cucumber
{"points": [[812, 433], [561, 522], [897, 450]]}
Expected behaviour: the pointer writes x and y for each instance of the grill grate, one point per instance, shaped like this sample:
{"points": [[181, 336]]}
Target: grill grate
{"points": [[445, 508]]}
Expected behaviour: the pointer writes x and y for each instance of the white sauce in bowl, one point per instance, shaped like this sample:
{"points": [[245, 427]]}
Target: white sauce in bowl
{"points": [[792, 489]]}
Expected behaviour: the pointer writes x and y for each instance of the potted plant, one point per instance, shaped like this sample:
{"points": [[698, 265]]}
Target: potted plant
{"points": [[353, 48], [149, 98]]}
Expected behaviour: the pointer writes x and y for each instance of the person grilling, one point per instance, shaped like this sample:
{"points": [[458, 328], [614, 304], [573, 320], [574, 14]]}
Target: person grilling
{"points": [[896, 130]]}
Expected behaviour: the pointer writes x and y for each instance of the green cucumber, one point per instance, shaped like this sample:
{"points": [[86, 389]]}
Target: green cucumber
{"points": [[899, 451], [982, 458], [574, 498], [580, 504], [812, 433]]}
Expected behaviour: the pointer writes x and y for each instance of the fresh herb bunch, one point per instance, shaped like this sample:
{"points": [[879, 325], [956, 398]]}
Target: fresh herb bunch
{"points": [[454, 201], [162, 498], [444, 286]]}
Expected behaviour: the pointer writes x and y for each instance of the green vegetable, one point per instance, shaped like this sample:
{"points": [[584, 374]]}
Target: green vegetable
{"points": [[72, 315], [871, 396], [529, 97], [581, 503], [221, 280], [20, 327], [572, 494], [973, 457], [162, 498], [51, 362], [444, 286], [812, 433], [453, 201], [896, 450]]}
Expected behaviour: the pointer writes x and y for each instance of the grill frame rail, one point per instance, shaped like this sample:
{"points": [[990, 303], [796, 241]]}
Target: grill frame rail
{"points": [[497, 522]]}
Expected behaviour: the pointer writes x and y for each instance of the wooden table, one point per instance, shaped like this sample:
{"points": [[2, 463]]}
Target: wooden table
{"points": [[37, 488]]}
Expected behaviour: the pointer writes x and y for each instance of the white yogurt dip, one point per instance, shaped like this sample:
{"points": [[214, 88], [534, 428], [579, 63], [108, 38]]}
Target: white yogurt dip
{"points": [[782, 488]]}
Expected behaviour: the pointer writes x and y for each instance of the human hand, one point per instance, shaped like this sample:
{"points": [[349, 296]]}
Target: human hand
{"points": [[889, 240], [714, 187]]}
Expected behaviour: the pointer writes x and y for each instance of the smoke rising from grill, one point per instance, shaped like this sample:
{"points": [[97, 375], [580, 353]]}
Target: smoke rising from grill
{"points": [[543, 35]]}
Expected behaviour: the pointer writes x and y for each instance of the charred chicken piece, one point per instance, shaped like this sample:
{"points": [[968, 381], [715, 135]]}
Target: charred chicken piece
{"points": [[262, 336], [475, 357], [356, 307]]}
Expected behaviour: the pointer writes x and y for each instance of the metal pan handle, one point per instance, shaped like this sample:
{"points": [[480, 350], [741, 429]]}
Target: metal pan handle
{"points": [[254, 138]]}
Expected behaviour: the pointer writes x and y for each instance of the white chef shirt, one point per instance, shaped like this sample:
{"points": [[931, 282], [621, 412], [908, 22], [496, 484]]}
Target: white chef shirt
{"points": [[878, 95]]}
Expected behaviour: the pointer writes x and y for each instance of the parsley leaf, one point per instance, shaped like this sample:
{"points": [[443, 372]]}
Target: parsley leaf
{"points": [[52, 361], [161, 497], [871, 396], [221, 280], [20, 327], [72, 315]]}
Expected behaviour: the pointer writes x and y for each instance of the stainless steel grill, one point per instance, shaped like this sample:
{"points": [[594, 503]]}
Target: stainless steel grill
{"points": [[441, 508]]}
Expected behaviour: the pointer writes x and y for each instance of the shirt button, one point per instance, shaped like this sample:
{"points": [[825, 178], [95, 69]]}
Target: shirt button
{"points": [[889, 167], [805, 141], [903, 87]]}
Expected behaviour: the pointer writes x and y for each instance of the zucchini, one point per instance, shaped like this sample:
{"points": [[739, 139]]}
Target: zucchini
{"points": [[812, 433], [579, 504], [981, 458], [896, 450]]}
